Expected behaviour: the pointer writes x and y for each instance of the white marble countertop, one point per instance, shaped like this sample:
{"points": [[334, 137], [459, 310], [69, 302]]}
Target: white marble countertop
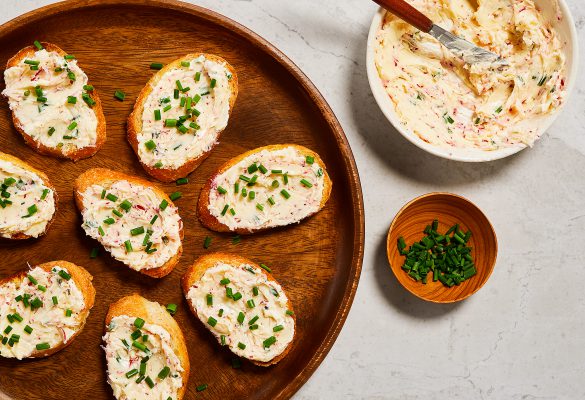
{"points": [[521, 336]]}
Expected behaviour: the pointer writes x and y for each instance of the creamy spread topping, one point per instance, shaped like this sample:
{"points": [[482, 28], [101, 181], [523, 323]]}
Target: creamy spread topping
{"points": [[244, 310], [184, 113], [47, 92], [26, 204], [39, 312], [267, 189], [452, 104], [141, 361], [133, 223]]}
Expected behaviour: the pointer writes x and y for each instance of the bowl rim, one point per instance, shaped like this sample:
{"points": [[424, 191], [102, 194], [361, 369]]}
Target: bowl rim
{"points": [[432, 194], [462, 154]]}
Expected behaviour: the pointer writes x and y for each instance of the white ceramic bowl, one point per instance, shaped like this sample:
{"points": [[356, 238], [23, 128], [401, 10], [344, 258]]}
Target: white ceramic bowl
{"points": [[568, 35]]}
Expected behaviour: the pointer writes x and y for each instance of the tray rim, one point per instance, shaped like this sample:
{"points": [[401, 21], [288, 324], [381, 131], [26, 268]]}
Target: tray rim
{"points": [[289, 389]]}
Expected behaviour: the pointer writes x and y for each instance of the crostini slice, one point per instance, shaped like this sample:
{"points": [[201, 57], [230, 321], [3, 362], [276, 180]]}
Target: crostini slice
{"points": [[264, 188], [53, 106], [242, 306], [180, 114], [145, 350], [28, 201], [134, 220], [42, 309]]}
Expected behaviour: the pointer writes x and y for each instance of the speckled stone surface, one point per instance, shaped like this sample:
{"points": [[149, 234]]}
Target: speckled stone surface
{"points": [[520, 337]]}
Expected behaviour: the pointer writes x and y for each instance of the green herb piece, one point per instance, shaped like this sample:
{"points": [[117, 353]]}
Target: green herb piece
{"points": [[150, 145], [156, 65], [207, 242], [182, 181], [171, 308], [175, 196], [120, 95], [306, 183]]}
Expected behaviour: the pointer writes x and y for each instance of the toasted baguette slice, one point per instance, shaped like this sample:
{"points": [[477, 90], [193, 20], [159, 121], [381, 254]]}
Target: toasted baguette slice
{"points": [[148, 203], [68, 283], [166, 161], [204, 277], [124, 317], [280, 198], [34, 190], [56, 112]]}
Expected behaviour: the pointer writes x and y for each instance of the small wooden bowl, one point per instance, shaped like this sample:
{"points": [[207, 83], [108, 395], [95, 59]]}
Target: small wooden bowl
{"points": [[449, 209]]}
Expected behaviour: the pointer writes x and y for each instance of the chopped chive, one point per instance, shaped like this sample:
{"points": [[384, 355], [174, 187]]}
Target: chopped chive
{"points": [[63, 274], [252, 168], [221, 190], [158, 165], [269, 342], [125, 205], [197, 76], [42, 288], [285, 178], [69, 57], [109, 221], [277, 328], [71, 76], [225, 209], [111, 197], [41, 99], [149, 382], [167, 108], [94, 252], [150, 145], [120, 95], [153, 220], [38, 45], [55, 300], [207, 242], [211, 321], [241, 345], [241, 317], [254, 327], [212, 83], [137, 231], [260, 207], [170, 122], [250, 303], [139, 323], [245, 178], [117, 213], [45, 193], [237, 296], [28, 329], [101, 231], [71, 99], [88, 88], [222, 339], [224, 281], [72, 126], [32, 279], [31, 62], [285, 194], [262, 169], [51, 131], [201, 388], [163, 205], [171, 308], [310, 160], [306, 183], [182, 181], [156, 65], [265, 267], [290, 313], [209, 298], [164, 372], [276, 171], [136, 334], [131, 373], [43, 346], [271, 201], [175, 196], [128, 246], [255, 290]]}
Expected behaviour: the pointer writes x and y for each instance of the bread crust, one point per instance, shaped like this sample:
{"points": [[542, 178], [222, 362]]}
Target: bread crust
{"points": [[153, 313], [46, 182], [82, 279], [103, 175], [84, 152], [211, 222], [203, 263], [134, 126]]}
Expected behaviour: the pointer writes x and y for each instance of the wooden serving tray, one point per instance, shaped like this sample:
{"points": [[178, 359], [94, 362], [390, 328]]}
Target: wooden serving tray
{"points": [[318, 261]]}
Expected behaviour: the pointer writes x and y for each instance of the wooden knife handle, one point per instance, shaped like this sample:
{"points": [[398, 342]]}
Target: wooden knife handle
{"points": [[408, 13]]}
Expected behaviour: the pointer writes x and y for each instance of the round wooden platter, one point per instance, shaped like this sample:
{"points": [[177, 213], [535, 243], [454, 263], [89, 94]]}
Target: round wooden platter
{"points": [[318, 261]]}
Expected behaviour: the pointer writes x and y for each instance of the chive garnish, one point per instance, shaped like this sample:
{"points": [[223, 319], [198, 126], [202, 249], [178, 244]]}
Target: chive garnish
{"points": [[197, 76], [137, 231], [72, 126], [241, 317], [225, 209], [201, 388], [88, 88], [164, 373], [306, 183], [38, 45], [175, 196], [269, 342], [131, 373], [42, 288], [157, 66], [250, 303], [109, 221], [31, 62], [212, 321], [55, 300], [167, 108], [28, 329], [117, 213], [163, 205], [111, 197], [224, 281], [277, 328], [310, 159], [149, 382], [71, 99], [125, 205], [212, 83], [63, 274], [128, 246], [43, 346], [150, 145], [260, 207], [290, 313], [265, 267], [170, 122], [101, 231], [221, 190], [241, 345], [255, 290], [172, 308], [69, 57], [285, 194], [222, 340], [158, 165], [182, 181], [45, 193], [237, 296], [120, 95], [271, 201], [209, 298], [32, 279]]}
